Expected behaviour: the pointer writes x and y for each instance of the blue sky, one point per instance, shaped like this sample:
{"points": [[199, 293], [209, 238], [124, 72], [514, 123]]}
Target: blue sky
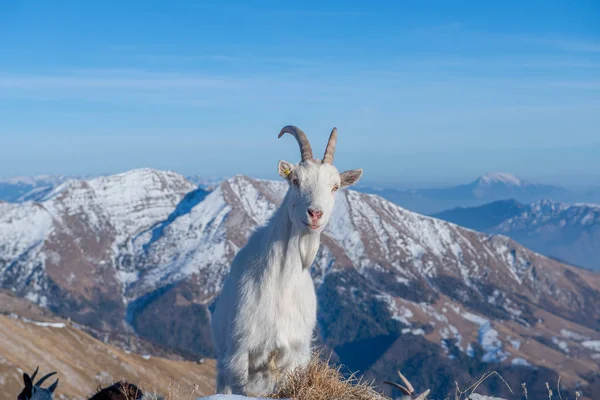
{"points": [[423, 93]]}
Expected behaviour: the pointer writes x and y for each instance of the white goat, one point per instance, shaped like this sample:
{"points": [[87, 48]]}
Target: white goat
{"points": [[264, 320]]}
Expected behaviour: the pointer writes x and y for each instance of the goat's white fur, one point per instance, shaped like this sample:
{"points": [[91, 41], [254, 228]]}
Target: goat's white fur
{"points": [[264, 320]]}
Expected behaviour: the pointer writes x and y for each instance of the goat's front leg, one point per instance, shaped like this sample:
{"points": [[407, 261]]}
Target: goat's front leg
{"points": [[223, 380], [300, 355], [234, 377]]}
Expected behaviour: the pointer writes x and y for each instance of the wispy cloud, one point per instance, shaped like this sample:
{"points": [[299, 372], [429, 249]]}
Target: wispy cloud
{"points": [[300, 12], [239, 59], [121, 86], [572, 45], [57, 82], [347, 86], [500, 41]]}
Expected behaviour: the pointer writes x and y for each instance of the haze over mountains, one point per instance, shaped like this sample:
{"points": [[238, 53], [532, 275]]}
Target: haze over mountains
{"points": [[18, 189], [570, 233], [146, 251], [487, 188]]}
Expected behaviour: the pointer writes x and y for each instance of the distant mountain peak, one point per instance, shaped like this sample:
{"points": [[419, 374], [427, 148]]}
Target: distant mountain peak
{"points": [[33, 180], [499, 177]]}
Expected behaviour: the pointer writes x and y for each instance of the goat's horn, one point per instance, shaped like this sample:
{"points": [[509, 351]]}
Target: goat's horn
{"points": [[43, 378], [305, 149], [52, 387], [407, 383], [330, 149], [35, 373], [398, 386]]}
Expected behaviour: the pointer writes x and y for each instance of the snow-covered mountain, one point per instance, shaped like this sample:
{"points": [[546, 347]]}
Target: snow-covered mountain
{"points": [[503, 178], [148, 251], [568, 232], [34, 188], [487, 188], [503, 186], [23, 188], [485, 217]]}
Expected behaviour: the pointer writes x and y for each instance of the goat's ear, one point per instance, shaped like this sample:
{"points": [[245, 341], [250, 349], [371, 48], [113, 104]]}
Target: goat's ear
{"points": [[351, 177], [285, 169], [27, 381]]}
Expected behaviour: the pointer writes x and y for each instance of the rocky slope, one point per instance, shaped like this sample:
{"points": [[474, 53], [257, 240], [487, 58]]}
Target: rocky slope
{"points": [[568, 232], [148, 251]]}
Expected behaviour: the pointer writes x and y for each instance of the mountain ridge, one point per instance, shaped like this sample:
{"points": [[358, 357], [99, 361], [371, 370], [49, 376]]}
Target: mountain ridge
{"points": [[486, 188], [23, 188], [568, 232], [145, 251]]}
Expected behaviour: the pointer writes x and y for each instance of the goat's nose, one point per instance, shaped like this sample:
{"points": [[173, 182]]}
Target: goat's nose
{"points": [[315, 214]]}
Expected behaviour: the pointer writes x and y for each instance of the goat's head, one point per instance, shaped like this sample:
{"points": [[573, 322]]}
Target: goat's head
{"points": [[35, 391], [313, 183]]}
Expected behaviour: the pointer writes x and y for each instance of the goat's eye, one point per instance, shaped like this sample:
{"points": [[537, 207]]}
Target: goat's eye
{"points": [[335, 188], [295, 181]]}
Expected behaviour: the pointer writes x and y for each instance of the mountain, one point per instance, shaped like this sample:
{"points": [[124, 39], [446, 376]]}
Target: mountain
{"points": [[30, 336], [487, 188], [147, 252], [35, 188], [566, 232], [570, 233], [205, 182], [28, 188], [482, 218], [503, 185]]}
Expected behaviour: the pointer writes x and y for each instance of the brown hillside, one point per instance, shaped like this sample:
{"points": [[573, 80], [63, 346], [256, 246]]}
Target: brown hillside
{"points": [[83, 362]]}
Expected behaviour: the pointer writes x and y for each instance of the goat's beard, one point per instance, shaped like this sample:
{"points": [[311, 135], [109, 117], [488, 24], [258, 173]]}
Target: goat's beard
{"points": [[309, 248]]}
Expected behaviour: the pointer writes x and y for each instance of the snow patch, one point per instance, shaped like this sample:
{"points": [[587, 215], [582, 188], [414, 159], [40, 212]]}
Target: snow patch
{"points": [[578, 337], [491, 344], [500, 177], [415, 332], [562, 345], [50, 324], [474, 318], [591, 344], [520, 362], [489, 339], [401, 314]]}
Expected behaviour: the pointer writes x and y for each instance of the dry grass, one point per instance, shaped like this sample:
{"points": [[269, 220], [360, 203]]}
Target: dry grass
{"points": [[463, 394], [320, 381], [174, 392]]}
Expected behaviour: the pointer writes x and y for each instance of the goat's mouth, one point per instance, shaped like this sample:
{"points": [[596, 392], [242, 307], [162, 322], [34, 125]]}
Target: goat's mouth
{"points": [[314, 227]]}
